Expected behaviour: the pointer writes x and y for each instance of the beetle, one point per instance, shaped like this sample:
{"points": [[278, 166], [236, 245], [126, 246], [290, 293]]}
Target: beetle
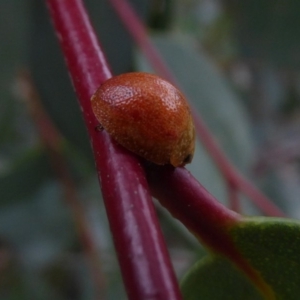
{"points": [[147, 115]]}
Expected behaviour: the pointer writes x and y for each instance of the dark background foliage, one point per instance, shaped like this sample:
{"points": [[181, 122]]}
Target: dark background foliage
{"points": [[238, 63]]}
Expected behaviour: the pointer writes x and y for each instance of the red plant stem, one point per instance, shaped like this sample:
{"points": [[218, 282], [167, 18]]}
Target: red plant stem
{"points": [[191, 203], [187, 200], [136, 28], [143, 257]]}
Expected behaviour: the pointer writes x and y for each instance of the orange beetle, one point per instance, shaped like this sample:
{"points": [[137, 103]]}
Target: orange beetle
{"points": [[147, 115]]}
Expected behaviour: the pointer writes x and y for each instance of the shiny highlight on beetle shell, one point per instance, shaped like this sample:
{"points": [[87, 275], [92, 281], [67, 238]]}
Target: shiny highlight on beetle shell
{"points": [[148, 116]]}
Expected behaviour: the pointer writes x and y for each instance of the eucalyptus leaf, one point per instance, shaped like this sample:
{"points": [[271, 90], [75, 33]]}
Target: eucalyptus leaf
{"points": [[216, 278], [271, 245]]}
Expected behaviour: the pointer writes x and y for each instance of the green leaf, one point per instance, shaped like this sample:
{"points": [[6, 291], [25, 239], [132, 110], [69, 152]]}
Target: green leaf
{"points": [[215, 278], [271, 245]]}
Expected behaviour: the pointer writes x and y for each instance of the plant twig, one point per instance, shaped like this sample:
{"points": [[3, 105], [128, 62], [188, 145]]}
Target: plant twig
{"points": [[210, 221], [143, 257]]}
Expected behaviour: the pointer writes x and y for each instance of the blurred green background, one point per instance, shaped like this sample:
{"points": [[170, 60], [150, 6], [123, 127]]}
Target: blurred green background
{"points": [[237, 61]]}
